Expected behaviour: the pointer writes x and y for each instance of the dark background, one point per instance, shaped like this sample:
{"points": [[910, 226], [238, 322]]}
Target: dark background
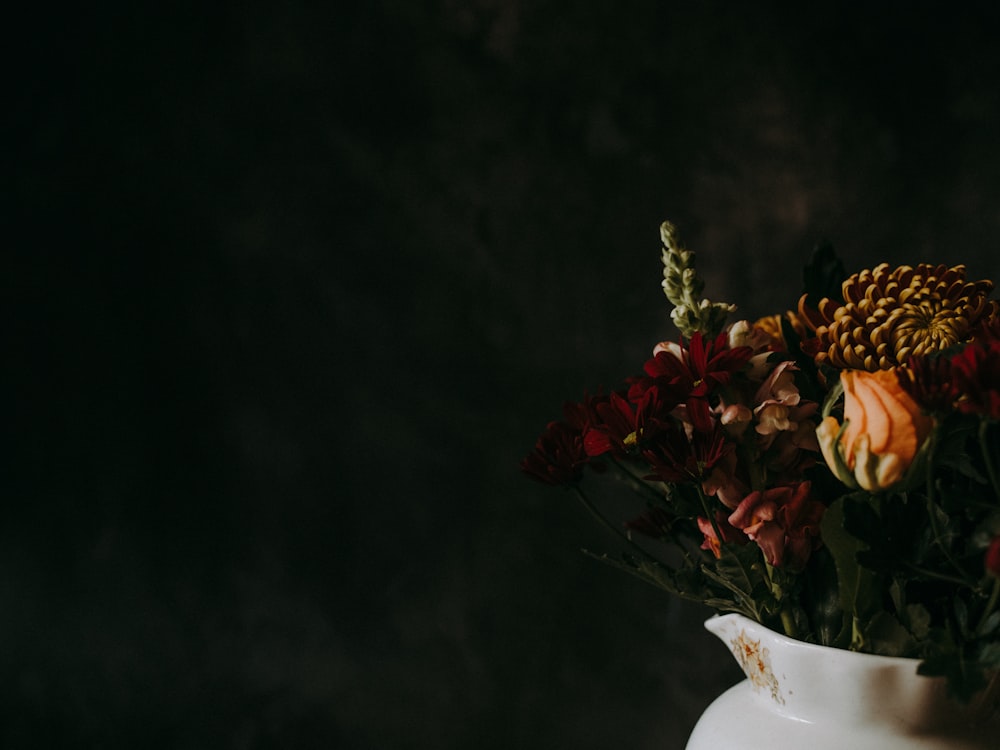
{"points": [[294, 288]]}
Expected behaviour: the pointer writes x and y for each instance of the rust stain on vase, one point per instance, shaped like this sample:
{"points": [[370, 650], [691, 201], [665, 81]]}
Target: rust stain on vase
{"points": [[756, 664]]}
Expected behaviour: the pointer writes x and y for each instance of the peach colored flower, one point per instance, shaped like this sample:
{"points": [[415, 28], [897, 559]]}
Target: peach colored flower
{"points": [[772, 418], [779, 388], [781, 411], [882, 432], [736, 418]]}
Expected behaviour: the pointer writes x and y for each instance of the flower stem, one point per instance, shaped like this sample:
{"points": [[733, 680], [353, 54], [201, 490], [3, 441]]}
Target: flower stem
{"points": [[611, 527], [643, 487], [636, 481], [600, 516], [708, 513], [936, 575], [788, 622], [787, 617]]}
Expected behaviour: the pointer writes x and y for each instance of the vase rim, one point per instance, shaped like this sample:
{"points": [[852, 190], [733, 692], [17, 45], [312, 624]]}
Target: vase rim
{"points": [[716, 623]]}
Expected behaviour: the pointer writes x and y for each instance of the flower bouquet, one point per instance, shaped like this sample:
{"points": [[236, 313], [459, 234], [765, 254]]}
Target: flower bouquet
{"points": [[829, 471]]}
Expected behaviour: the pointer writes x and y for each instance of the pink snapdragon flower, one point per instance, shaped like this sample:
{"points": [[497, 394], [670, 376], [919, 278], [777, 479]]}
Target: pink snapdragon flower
{"points": [[730, 535], [783, 521]]}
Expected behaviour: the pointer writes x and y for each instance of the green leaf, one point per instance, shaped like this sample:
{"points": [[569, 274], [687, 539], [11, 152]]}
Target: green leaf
{"points": [[859, 594], [986, 530], [947, 533], [821, 598], [885, 635], [893, 534], [962, 617], [824, 274], [861, 520], [738, 571], [918, 620], [988, 626], [989, 655], [649, 571], [964, 677], [952, 449]]}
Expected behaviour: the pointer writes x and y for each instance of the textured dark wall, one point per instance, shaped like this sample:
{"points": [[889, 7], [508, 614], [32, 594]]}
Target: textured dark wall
{"points": [[295, 288]]}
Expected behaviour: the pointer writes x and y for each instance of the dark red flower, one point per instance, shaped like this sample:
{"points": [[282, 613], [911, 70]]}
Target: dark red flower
{"points": [[622, 426], [676, 457], [700, 366], [583, 414], [559, 456], [976, 378], [698, 413], [991, 561], [654, 523], [928, 380], [613, 428]]}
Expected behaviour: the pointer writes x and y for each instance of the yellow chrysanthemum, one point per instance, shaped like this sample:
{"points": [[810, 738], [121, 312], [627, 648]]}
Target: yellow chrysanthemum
{"points": [[771, 327], [889, 315]]}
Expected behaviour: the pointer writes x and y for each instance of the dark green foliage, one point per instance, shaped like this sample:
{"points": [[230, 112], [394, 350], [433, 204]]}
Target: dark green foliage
{"points": [[823, 275]]}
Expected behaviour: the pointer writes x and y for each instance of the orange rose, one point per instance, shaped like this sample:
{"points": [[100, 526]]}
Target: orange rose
{"points": [[882, 432]]}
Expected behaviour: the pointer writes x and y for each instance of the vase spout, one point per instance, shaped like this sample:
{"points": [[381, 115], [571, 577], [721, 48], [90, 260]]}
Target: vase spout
{"points": [[825, 686]]}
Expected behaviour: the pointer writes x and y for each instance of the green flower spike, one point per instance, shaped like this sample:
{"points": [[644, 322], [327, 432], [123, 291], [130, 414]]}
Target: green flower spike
{"points": [[683, 288]]}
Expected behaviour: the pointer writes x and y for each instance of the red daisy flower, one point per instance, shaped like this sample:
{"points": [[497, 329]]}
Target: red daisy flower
{"points": [[693, 371], [622, 426], [675, 457], [559, 456]]}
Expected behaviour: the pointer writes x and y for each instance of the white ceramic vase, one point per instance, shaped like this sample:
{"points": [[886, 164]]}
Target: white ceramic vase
{"points": [[807, 697]]}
